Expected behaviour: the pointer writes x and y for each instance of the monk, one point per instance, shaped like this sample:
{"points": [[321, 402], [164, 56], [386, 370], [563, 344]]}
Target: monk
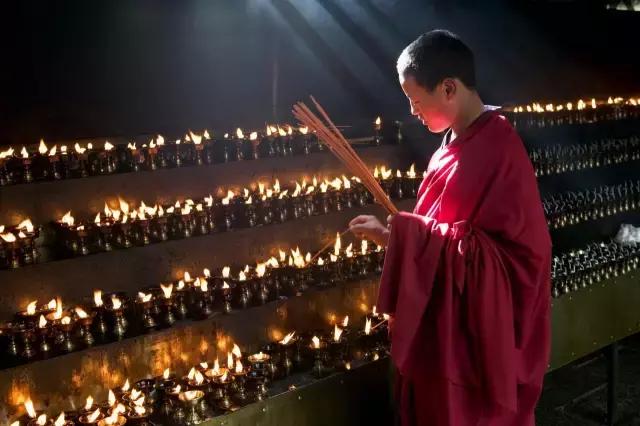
{"points": [[466, 278]]}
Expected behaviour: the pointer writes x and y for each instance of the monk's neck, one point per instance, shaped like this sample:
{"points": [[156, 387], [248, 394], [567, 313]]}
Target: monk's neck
{"points": [[472, 110]]}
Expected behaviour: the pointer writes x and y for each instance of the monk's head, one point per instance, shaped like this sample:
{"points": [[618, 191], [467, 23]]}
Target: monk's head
{"points": [[437, 74]]}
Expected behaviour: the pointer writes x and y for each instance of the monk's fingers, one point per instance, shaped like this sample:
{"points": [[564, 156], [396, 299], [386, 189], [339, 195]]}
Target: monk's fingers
{"points": [[359, 220], [390, 218]]}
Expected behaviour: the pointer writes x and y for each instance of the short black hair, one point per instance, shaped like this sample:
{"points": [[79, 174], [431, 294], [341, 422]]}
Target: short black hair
{"points": [[437, 55]]}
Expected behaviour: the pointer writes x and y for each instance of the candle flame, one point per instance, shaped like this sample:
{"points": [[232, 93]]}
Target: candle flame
{"points": [[224, 376], [60, 421], [226, 271], [204, 285], [28, 405], [31, 307], [316, 342], [333, 257], [206, 134], [236, 351], [216, 367], [261, 268], [378, 121], [42, 420], [43, 322], [199, 378], [281, 131], [374, 311], [180, 285], [239, 133], [345, 322], [192, 373], [144, 298], [338, 245], [124, 206], [108, 146], [253, 136], [58, 313], [81, 313], [89, 403], [320, 262], [66, 320], [337, 332], [97, 298], [42, 148], [140, 411], [53, 151], [166, 290], [111, 399], [239, 367], [196, 139], [135, 394], [8, 237], [139, 402], [367, 326], [52, 304], [10, 151], [117, 303], [229, 360], [24, 153], [287, 338], [26, 225], [304, 130], [94, 416]]}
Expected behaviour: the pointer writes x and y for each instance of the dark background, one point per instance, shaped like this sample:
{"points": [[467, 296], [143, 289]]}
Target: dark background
{"points": [[74, 69]]}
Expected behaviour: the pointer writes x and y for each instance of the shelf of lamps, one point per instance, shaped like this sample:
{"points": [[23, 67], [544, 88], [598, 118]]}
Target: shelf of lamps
{"points": [[229, 380], [61, 379], [597, 262], [192, 149], [128, 226], [574, 207], [44, 331], [537, 115], [563, 158]]}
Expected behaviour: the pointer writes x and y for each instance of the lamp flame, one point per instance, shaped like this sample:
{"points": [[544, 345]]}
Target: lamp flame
{"points": [[60, 421], [166, 290], [28, 405], [89, 403], [31, 307], [94, 416], [81, 312], [367, 326], [42, 420], [236, 351], [111, 399], [42, 323], [117, 303], [316, 342], [345, 322], [338, 245], [337, 332], [42, 148], [97, 298]]}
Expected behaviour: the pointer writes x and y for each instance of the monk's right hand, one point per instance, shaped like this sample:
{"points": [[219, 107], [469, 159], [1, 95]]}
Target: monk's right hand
{"points": [[369, 227]]}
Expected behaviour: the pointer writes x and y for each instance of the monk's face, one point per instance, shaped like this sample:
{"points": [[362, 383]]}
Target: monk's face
{"points": [[436, 109]]}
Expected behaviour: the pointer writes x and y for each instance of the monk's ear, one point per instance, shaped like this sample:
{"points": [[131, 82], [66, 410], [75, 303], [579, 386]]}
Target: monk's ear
{"points": [[449, 86]]}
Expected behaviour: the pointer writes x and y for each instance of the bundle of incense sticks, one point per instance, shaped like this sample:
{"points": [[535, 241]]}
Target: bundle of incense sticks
{"points": [[338, 145]]}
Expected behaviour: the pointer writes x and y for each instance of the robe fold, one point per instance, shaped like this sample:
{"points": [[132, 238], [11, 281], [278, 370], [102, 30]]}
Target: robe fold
{"points": [[467, 279]]}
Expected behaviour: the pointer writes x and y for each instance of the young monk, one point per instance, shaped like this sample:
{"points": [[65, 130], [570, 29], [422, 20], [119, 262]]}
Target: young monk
{"points": [[466, 277]]}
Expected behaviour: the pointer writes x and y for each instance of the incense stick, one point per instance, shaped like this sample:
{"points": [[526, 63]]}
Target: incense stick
{"points": [[331, 136]]}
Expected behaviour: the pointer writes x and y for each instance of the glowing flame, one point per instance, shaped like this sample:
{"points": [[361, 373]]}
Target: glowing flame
{"points": [[338, 245], [111, 399], [58, 313], [140, 411], [7, 153], [97, 298], [8, 237], [337, 332], [187, 277], [223, 378], [261, 268], [226, 271], [60, 421], [26, 225], [42, 420], [166, 290], [374, 312], [239, 133], [42, 323], [94, 416], [206, 134], [228, 198], [24, 153], [281, 131], [117, 303], [345, 322], [367, 326], [378, 121], [135, 394], [124, 206], [31, 307], [144, 298], [42, 148], [198, 378], [66, 320], [196, 139], [204, 285], [320, 262], [239, 367], [67, 219], [304, 130], [28, 405], [180, 285], [236, 351], [288, 338], [364, 246], [225, 285], [229, 360], [253, 136], [81, 313], [89, 403], [53, 151], [216, 368], [316, 342]]}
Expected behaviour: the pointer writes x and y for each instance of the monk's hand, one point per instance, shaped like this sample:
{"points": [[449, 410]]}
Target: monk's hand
{"points": [[369, 227]]}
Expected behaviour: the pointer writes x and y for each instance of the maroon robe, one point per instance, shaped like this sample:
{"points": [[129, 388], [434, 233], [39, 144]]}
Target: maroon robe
{"points": [[467, 280]]}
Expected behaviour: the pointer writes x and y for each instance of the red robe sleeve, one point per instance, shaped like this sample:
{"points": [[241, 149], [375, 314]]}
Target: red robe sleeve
{"points": [[416, 246]]}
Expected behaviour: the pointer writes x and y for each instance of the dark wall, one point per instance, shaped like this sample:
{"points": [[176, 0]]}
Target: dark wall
{"points": [[98, 68]]}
